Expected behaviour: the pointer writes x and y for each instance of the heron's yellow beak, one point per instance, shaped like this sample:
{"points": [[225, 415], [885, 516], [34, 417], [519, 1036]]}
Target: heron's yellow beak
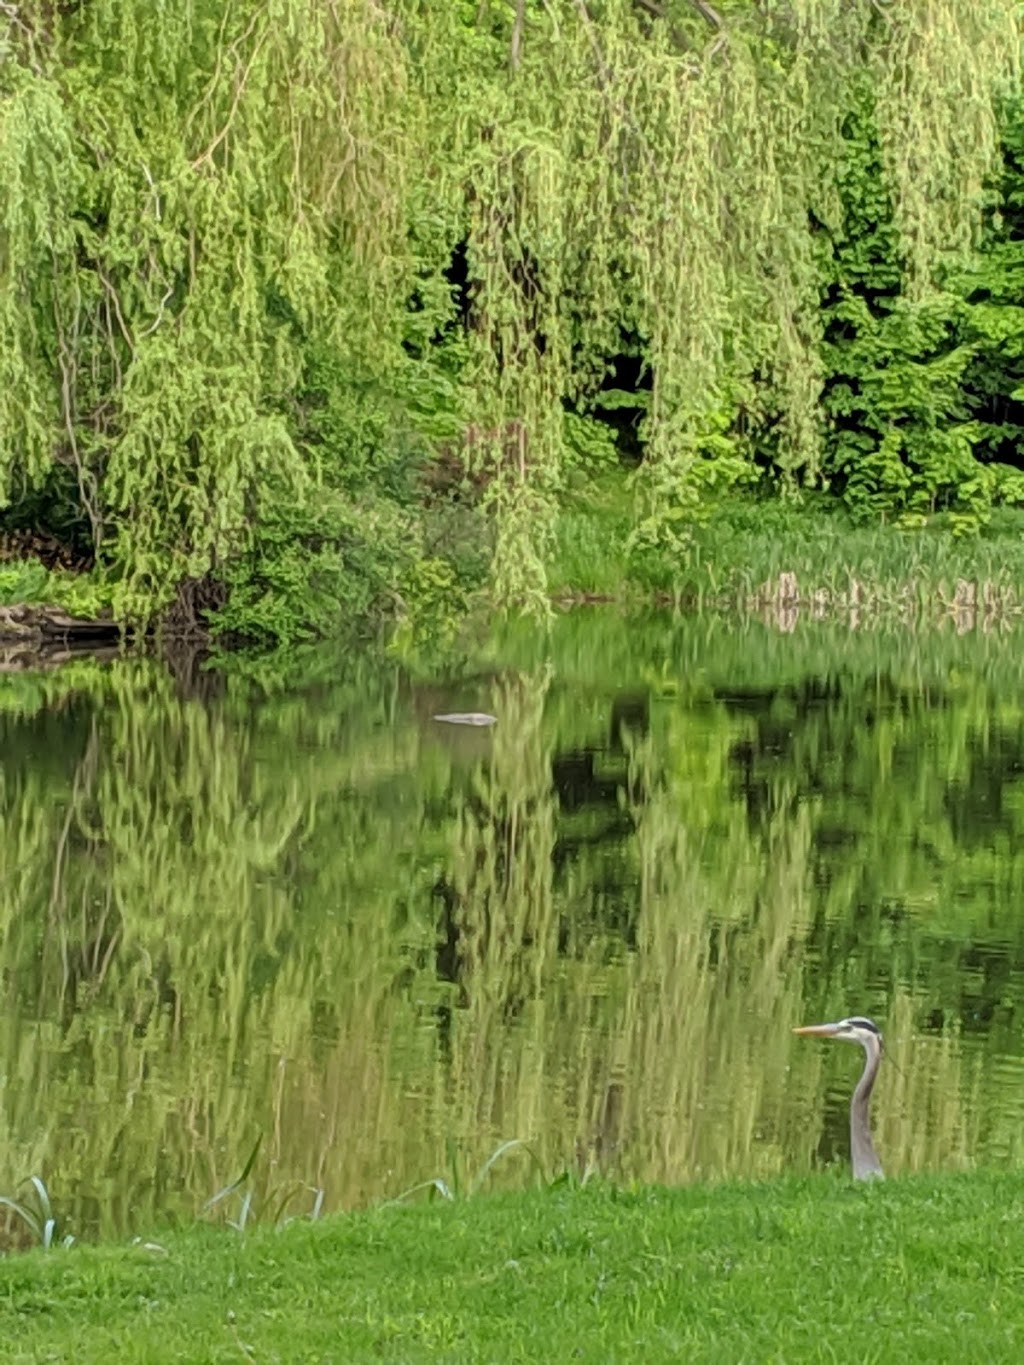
{"points": [[818, 1030]]}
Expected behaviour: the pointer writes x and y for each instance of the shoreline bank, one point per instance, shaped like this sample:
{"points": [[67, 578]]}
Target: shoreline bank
{"points": [[923, 1268]]}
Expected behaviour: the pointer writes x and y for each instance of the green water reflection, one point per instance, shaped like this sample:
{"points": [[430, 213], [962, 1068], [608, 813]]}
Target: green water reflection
{"points": [[311, 912]]}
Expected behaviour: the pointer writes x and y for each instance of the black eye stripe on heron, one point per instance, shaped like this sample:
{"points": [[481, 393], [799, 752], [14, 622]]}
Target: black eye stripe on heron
{"points": [[858, 1021]]}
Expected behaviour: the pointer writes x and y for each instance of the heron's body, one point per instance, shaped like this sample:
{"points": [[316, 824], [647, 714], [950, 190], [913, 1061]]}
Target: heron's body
{"points": [[866, 1165]]}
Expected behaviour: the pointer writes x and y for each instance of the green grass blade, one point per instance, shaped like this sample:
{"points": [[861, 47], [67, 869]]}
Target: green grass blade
{"points": [[43, 1195], [26, 1215], [512, 1145], [437, 1187], [452, 1153], [235, 1184], [246, 1210], [284, 1198]]}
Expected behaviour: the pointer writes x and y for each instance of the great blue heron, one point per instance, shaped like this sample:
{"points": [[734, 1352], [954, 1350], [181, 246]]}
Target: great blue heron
{"points": [[866, 1165]]}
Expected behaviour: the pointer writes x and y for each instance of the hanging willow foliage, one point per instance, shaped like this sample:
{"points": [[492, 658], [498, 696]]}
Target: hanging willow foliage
{"points": [[203, 203]]}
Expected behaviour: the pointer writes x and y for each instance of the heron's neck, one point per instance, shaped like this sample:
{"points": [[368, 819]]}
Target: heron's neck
{"points": [[866, 1165]]}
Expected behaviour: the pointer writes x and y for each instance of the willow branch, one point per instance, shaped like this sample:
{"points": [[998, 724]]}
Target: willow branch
{"points": [[87, 489], [658, 12], [517, 33], [706, 11], [239, 92], [710, 14], [604, 80]]}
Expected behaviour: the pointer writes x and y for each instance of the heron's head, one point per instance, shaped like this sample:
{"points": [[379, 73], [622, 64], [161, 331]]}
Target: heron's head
{"points": [[854, 1030]]}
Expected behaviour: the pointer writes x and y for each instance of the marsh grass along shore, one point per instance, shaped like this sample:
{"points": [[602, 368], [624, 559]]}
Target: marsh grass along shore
{"points": [[753, 556], [778, 560]]}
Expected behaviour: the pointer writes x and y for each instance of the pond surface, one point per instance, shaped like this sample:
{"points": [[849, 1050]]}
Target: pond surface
{"points": [[307, 913]]}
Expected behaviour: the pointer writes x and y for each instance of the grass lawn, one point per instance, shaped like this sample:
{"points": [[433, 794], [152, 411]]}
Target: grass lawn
{"points": [[928, 1269]]}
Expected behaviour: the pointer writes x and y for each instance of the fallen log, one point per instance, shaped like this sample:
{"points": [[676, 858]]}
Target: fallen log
{"points": [[40, 626]]}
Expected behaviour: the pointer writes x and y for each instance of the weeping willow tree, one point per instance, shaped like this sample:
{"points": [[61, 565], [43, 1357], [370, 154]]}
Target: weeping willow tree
{"points": [[256, 259]]}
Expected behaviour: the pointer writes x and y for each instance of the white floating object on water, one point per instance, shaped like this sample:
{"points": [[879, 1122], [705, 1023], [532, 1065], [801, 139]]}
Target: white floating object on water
{"points": [[468, 718]]}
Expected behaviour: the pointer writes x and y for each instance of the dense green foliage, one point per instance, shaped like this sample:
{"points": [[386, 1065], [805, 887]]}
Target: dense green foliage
{"points": [[310, 310], [920, 394], [922, 1270]]}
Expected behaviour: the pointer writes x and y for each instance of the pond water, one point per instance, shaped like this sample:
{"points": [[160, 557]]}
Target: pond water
{"points": [[235, 908]]}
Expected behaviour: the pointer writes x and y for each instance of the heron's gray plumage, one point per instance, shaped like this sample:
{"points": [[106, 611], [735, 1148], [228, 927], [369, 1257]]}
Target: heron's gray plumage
{"points": [[866, 1165]]}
